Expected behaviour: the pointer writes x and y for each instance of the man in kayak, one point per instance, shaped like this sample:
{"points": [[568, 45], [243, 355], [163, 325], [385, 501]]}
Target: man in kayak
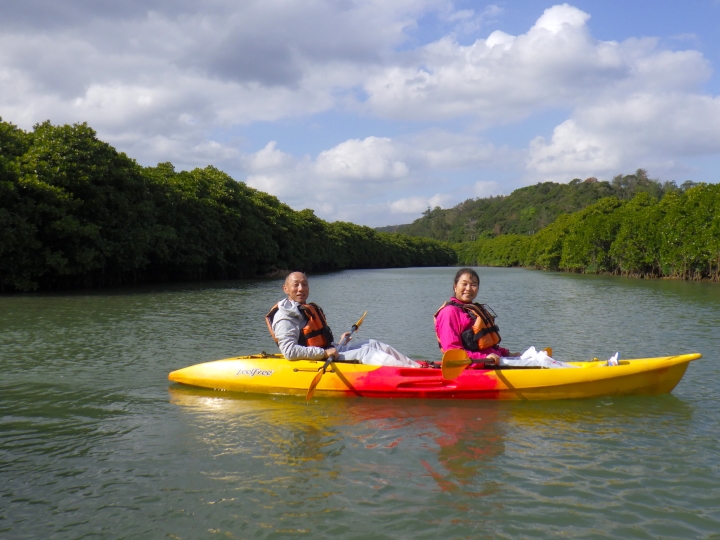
{"points": [[460, 323], [301, 331]]}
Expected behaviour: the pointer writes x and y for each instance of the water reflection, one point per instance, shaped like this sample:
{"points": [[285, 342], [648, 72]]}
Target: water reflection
{"points": [[452, 441]]}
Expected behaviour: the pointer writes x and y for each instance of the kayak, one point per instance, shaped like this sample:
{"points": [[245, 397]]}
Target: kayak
{"points": [[273, 374]]}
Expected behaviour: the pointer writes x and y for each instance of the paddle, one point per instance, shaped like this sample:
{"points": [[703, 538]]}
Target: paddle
{"points": [[317, 378], [454, 362]]}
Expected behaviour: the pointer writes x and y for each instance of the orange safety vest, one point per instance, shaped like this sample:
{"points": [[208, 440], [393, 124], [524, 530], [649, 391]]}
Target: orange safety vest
{"points": [[483, 333], [315, 333]]}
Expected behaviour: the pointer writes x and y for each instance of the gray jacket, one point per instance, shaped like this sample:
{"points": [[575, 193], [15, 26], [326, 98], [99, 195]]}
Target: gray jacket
{"points": [[287, 325]]}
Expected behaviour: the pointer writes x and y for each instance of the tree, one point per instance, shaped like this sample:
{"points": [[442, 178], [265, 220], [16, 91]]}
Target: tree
{"points": [[636, 248], [16, 231], [586, 247], [91, 206]]}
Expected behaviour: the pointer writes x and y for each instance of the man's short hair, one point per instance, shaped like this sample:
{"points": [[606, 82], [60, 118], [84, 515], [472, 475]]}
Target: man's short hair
{"points": [[287, 278]]}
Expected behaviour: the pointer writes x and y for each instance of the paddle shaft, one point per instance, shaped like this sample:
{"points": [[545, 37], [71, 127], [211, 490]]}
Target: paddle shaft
{"points": [[330, 358], [455, 361], [343, 341]]}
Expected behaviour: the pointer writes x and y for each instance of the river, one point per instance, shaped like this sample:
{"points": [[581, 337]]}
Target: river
{"points": [[95, 443]]}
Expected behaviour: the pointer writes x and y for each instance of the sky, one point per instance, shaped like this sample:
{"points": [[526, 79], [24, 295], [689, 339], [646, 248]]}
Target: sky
{"points": [[372, 111]]}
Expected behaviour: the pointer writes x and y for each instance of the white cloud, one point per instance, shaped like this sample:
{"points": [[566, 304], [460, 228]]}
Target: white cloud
{"points": [[168, 80], [417, 205], [486, 189], [141, 68], [269, 158], [468, 21], [352, 179], [504, 78], [373, 158], [441, 149], [560, 18], [643, 129]]}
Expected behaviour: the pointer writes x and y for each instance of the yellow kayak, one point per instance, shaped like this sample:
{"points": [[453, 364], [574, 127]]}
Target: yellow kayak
{"points": [[273, 374]]}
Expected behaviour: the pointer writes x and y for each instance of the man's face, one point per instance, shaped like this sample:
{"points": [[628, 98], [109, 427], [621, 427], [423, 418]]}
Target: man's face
{"points": [[296, 287]]}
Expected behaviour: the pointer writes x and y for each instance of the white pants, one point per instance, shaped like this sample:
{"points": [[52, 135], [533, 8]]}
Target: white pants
{"points": [[374, 353]]}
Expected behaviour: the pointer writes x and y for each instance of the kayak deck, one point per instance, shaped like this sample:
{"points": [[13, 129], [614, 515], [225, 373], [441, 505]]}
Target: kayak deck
{"points": [[273, 374]]}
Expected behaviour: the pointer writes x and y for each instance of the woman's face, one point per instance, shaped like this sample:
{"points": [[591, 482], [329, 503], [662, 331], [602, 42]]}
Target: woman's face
{"points": [[466, 288]]}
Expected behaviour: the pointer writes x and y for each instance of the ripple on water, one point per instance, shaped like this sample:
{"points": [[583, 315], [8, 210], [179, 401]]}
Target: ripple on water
{"points": [[95, 443]]}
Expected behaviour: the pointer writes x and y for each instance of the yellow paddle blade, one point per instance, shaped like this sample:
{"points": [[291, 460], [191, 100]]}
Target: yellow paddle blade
{"points": [[314, 384], [357, 324], [454, 363]]}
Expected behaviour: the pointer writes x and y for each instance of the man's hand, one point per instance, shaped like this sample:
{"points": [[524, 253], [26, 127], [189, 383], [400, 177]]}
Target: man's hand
{"points": [[345, 338], [332, 351], [494, 358]]}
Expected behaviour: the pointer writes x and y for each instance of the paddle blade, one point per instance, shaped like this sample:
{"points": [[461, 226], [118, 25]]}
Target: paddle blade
{"points": [[360, 321], [454, 363], [314, 384]]}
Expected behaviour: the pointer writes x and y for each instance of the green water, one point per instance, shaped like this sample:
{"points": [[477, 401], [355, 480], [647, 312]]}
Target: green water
{"points": [[95, 443]]}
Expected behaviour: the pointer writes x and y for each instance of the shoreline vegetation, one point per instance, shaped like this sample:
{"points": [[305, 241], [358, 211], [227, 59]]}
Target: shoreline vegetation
{"points": [[676, 237], [75, 213], [632, 226]]}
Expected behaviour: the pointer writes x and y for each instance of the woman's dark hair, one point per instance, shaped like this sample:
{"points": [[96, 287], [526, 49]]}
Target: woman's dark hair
{"points": [[469, 271]]}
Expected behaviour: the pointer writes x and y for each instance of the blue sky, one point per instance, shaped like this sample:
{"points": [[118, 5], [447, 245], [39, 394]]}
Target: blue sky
{"points": [[372, 111]]}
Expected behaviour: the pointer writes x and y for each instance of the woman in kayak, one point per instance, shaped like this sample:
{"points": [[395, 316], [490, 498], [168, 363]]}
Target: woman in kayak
{"points": [[462, 324]]}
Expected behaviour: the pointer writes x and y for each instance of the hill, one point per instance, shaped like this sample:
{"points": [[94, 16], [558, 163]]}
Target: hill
{"points": [[676, 237], [527, 210]]}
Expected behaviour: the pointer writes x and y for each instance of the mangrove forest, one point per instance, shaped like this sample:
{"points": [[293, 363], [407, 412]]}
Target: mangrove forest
{"points": [[74, 212], [675, 236]]}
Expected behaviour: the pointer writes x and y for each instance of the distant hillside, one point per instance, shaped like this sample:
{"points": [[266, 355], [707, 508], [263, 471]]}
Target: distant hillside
{"points": [[526, 210], [676, 237]]}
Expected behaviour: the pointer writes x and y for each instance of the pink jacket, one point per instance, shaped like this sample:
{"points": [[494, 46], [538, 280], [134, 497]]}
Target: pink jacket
{"points": [[450, 323]]}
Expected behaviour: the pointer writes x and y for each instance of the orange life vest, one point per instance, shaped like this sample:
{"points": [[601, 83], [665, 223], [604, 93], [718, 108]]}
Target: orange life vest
{"points": [[483, 333], [315, 333]]}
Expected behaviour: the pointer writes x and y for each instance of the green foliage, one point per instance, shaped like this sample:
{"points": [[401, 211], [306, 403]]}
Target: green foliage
{"points": [[75, 212], [636, 248], [546, 247], [679, 237], [16, 232], [88, 211], [690, 233], [587, 244], [526, 210], [504, 250]]}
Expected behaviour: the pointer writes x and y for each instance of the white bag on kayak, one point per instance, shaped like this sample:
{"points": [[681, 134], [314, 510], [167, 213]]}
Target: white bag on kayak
{"points": [[533, 357]]}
